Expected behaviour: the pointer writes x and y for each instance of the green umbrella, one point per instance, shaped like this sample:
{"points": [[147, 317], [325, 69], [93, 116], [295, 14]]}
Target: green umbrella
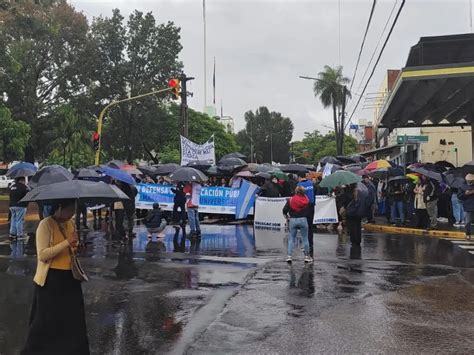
{"points": [[280, 175], [339, 178]]}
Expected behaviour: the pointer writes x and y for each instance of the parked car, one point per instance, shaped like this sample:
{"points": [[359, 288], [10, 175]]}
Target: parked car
{"points": [[5, 182]]}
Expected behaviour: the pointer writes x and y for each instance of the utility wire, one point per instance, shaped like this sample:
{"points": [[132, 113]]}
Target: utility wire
{"points": [[363, 42], [376, 48], [378, 58]]}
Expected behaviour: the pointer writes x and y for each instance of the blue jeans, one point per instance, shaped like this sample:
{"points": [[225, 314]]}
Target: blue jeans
{"points": [[458, 209], [193, 217], [17, 220], [302, 225], [397, 206]]}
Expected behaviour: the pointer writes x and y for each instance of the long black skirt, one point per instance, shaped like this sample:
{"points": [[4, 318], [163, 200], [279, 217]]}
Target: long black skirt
{"points": [[57, 321]]}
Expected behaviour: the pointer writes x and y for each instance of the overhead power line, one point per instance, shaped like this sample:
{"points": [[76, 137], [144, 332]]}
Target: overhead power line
{"points": [[363, 42], [379, 56], [373, 54]]}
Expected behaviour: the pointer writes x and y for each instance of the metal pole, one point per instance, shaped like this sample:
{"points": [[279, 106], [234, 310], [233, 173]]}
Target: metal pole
{"points": [[205, 53], [404, 155], [271, 148], [102, 113], [184, 107], [251, 142]]}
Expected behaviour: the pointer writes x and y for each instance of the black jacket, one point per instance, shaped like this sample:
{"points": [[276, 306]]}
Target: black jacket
{"points": [[467, 200], [432, 191], [153, 219], [17, 191], [270, 189], [179, 195]]}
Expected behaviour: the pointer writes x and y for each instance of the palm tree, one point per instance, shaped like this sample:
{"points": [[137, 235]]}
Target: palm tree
{"points": [[331, 90]]}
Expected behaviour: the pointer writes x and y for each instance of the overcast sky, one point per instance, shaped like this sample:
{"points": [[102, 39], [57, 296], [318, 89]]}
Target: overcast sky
{"points": [[262, 46]]}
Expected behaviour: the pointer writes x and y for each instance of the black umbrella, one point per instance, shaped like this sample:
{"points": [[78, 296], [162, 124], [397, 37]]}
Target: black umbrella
{"points": [[385, 173], [401, 179], [148, 170], [264, 175], [358, 158], [200, 164], [445, 164], [455, 178], [294, 168], [230, 164], [346, 160], [353, 167], [85, 191], [50, 174], [468, 168], [235, 155], [85, 173], [330, 160], [167, 169], [187, 174], [116, 164], [426, 171]]}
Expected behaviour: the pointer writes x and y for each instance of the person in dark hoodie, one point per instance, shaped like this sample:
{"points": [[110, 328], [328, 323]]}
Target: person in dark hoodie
{"points": [[179, 203], [466, 195], [154, 221], [270, 188], [356, 209], [296, 210]]}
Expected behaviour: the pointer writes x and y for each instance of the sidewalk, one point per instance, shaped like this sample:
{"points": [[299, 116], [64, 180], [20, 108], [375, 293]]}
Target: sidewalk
{"points": [[442, 231]]}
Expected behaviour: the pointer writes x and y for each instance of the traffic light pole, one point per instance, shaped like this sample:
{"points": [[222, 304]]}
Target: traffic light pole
{"points": [[184, 104], [102, 113]]}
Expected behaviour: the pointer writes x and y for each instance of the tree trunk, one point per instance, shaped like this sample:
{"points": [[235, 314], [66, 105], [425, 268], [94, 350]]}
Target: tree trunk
{"points": [[336, 130]]}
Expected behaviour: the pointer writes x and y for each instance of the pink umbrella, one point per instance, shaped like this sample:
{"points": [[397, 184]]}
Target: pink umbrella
{"points": [[245, 173]]}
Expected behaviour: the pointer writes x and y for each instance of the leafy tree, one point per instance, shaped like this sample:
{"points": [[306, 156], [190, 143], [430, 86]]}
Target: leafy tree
{"points": [[14, 136], [271, 134], [134, 58], [45, 61], [314, 146], [332, 93], [70, 138]]}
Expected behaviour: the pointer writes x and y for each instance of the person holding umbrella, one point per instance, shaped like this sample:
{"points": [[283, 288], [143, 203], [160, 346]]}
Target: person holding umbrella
{"points": [[422, 218], [466, 195], [17, 191], [431, 194], [57, 321]]}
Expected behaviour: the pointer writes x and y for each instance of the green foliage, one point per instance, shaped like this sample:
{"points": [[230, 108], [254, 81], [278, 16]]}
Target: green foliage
{"points": [[267, 130], [45, 60], [14, 136], [314, 146], [70, 138]]}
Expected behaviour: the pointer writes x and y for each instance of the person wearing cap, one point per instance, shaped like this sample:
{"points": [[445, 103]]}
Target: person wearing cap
{"points": [[296, 211], [466, 195]]}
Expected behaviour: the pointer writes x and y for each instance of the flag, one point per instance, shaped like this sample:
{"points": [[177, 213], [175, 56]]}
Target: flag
{"points": [[214, 81], [246, 200], [327, 170]]}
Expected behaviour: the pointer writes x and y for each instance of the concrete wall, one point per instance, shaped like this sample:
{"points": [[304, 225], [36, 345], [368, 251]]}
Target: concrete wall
{"points": [[460, 138]]}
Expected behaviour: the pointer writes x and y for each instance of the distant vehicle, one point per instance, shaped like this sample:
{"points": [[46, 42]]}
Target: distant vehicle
{"points": [[5, 182]]}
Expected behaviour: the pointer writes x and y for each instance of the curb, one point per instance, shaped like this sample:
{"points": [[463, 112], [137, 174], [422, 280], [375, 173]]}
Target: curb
{"points": [[414, 231]]}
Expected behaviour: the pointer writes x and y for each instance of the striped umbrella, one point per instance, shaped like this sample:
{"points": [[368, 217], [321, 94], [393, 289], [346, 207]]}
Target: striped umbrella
{"points": [[378, 164]]}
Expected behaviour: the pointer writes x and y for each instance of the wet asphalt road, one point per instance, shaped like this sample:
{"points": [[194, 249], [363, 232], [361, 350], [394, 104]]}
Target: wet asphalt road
{"points": [[233, 293]]}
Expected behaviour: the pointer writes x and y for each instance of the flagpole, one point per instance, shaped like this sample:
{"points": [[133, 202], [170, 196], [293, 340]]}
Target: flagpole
{"points": [[214, 83], [470, 15], [205, 53]]}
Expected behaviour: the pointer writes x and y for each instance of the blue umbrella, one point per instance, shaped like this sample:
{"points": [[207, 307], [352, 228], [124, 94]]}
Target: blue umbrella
{"points": [[118, 175], [21, 169]]}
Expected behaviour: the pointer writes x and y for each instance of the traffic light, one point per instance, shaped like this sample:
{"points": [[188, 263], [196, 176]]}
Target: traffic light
{"points": [[96, 140], [175, 84]]}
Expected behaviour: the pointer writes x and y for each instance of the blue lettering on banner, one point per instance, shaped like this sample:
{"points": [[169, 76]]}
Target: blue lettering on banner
{"points": [[215, 198]]}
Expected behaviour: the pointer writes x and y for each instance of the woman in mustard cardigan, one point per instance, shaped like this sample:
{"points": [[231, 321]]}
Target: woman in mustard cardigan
{"points": [[57, 321]]}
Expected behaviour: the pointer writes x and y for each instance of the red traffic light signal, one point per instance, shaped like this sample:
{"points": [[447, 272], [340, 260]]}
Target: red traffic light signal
{"points": [[95, 140], [175, 84]]}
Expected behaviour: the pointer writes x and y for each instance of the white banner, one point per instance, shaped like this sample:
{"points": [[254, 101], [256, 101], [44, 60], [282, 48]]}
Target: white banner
{"points": [[269, 213], [325, 210], [192, 151]]}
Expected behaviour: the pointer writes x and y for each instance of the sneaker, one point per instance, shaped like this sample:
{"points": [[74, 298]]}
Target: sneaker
{"points": [[288, 259], [308, 259]]}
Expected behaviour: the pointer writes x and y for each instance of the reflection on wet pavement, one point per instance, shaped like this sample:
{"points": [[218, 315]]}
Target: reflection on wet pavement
{"points": [[174, 294]]}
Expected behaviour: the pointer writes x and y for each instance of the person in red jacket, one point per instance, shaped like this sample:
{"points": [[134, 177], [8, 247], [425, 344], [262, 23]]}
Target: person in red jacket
{"points": [[296, 211]]}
